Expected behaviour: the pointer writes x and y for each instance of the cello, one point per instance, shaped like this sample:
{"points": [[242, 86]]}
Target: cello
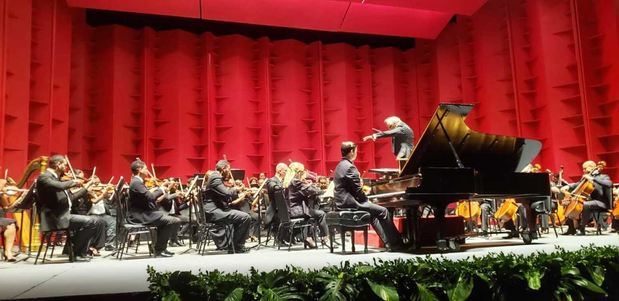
{"points": [[576, 198]]}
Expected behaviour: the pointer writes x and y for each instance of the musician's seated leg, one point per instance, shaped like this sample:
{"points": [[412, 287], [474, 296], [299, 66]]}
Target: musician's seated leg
{"points": [[166, 227], [485, 216], [240, 221], [571, 227], [8, 230], [537, 208], [184, 220], [110, 232], [85, 228], [320, 215], [587, 213], [383, 225]]}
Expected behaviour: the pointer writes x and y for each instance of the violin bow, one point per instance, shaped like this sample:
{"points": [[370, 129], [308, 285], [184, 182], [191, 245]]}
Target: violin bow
{"points": [[70, 167]]}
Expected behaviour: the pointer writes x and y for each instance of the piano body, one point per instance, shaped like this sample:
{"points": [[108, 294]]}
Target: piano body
{"points": [[451, 162]]}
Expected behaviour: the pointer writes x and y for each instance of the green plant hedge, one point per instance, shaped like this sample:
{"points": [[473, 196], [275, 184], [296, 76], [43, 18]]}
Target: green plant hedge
{"points": [[591, 273]]}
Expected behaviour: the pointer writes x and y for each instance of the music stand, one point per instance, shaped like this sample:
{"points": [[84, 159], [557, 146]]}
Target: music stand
{"points": [[28, 202], [238, 174], [115, 199], [199, 179]]}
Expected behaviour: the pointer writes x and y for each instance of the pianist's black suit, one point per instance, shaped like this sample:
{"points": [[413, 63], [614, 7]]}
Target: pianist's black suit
{"points": [[143, 209], [401, 140], [348, 194], [55, 207]]}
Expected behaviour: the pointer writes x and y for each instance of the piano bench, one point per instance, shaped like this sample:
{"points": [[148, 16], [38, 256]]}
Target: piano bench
{"points": [[348, 221]]}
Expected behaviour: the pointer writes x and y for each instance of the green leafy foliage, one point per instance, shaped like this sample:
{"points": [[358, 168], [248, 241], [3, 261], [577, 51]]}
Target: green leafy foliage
{"points": [[591, 273]]}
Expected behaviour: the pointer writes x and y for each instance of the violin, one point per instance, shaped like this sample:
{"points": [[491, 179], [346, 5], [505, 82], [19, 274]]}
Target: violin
{"points": [[10, 193]]}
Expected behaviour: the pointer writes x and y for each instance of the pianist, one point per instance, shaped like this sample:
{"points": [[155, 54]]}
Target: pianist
{"points": [[401, 137], [349, 194]]}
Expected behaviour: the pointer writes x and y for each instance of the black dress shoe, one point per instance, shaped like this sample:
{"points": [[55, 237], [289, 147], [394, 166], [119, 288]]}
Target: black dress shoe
{"points": [[162, 254], [167, 252], [241, 250], [511, 235], [174, 244], [81, 259], [569, 232]]}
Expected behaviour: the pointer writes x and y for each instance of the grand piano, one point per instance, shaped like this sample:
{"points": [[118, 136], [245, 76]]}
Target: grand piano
{"points": [[451, 162]]}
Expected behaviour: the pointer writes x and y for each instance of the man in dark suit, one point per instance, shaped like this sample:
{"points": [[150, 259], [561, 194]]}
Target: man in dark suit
{"points": [[349, 194], [143, 208], [401, 137], [275, 186], [217, 199], [55, 201], [600, 199]]}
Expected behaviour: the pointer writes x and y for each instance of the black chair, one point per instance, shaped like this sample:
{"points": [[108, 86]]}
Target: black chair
{"points": [[286, 222], [125, 228], [204, 228], [348, 220], [56, 234]]}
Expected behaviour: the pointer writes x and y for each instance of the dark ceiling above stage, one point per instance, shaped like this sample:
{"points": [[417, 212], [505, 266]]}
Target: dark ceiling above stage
{"points": [[400, 18]]}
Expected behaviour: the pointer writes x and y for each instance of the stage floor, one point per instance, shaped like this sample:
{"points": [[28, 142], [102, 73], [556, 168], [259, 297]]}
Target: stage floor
{"points": [[23, 280]]}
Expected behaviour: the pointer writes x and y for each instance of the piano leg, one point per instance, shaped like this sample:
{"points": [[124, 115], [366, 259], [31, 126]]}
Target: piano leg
{"points": [[412, 227], [439, 217], [443, 244]]}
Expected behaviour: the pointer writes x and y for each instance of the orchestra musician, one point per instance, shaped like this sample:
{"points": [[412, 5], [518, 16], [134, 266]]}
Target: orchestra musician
{"points": [[323, 183], [599, 199], [172, 204], [217, 199], [244, 204], [55, 201], [401, 137], [275, 185], [301, 196], [143, 208], [349, 194], [8, 229], [95, 206]]}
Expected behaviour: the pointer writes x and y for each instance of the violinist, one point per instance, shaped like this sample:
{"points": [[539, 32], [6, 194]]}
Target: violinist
{"points": [[301, 196], [349, 194], [599, 199], [401, 137], [172, 204], [323, 183], [243, 204], [275, 185], [98, 205], [143, 208], [55, 201], [82, 202], [8, 228], [217, 198]]}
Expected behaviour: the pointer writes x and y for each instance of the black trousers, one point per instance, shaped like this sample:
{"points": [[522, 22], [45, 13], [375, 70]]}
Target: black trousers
{"points": [[87, 231], [382, 223], [239, 220], [166, 227], [319, 216], [110, 229]]}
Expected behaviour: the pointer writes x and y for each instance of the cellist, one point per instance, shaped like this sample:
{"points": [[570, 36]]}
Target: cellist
{"points": [[599, 199]]}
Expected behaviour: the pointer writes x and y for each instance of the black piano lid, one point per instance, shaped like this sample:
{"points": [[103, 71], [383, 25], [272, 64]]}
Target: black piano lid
{"points": [[480, 151]]}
